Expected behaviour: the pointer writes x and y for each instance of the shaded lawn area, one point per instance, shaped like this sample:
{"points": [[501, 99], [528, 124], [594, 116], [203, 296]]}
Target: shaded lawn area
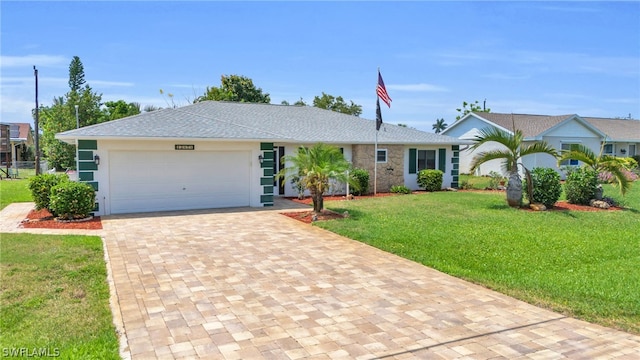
{"points": [[582, 264], [55, 296]]}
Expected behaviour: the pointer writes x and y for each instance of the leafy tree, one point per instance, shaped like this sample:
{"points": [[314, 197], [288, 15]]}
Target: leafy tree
{"points": [[439, 126], [235, 88], [512, 153], [338, 104], [61, 116], [119, 109], [297, 103], [403, 125], [316, 166], [470, 107], [599, 163]]}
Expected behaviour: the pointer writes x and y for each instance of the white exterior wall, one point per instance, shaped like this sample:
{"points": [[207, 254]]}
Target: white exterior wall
{"points": [[411, 180], [105, 147], [466, 158]]}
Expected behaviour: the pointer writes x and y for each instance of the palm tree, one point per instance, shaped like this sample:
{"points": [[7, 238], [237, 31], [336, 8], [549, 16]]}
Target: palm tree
{"points": [[439, 126], [513, 152], [316, 166], [599, 163]]}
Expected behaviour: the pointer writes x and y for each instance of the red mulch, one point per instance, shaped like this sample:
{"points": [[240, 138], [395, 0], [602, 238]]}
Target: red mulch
{"points": [[563, 206], [307, 216], [42, 219]]}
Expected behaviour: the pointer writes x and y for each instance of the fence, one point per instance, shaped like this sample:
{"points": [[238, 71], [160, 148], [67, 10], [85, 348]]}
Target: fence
{"points": [[22, 169]]}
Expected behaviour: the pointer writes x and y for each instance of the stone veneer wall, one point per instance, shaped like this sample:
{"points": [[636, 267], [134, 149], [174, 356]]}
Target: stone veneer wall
{"points": [[389, 173]]}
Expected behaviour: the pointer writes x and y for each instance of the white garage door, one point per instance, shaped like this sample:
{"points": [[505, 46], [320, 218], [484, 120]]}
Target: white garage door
{"points": [[178, 180]]}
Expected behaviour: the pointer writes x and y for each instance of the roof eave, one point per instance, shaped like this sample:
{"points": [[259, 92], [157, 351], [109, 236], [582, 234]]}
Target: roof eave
{"points": [[72, 138]]}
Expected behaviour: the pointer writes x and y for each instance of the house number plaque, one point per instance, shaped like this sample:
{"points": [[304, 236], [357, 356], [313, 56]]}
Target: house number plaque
{"points": [[185, 147]]}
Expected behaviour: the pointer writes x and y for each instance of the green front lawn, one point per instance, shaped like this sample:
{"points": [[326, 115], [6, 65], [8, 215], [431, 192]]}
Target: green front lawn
{"points": [[14, 191], [55, 298], [583, 264]]}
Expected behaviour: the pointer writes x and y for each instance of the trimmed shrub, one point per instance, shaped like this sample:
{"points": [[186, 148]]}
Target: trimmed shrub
{"points": [[400, 189], [496, 180], [546, 186], [361, 177], [580, 186], [72, 200], [40, 187], [430, 180]]}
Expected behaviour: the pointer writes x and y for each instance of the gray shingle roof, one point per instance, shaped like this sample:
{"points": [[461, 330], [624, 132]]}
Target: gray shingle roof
{"points": [[263, 122], [533, 126], [617, 129]]}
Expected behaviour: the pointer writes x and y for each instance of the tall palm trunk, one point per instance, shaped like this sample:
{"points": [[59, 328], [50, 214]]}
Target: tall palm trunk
{"points": [[514, 189]]}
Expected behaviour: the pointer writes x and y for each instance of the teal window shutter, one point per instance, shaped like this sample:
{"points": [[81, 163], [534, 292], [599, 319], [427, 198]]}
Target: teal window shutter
{"points": [[413, 161], [442, 160]]}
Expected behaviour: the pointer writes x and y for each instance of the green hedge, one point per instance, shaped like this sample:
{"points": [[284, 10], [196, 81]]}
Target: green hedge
{"points": [[430, 180], [72, 200], [41, 186], [546, 186], [580, 186]]}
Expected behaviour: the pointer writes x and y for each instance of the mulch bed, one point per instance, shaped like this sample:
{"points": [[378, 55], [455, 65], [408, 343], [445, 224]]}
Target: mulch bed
{"points": [[564, 206], [42, 219]]}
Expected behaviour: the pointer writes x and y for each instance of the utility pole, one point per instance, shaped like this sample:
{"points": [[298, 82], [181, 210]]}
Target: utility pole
{"points": [[37, 134]]}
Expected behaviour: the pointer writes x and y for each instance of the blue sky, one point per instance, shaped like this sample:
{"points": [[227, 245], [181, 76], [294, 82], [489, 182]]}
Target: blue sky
{"points": [[523, 57]]}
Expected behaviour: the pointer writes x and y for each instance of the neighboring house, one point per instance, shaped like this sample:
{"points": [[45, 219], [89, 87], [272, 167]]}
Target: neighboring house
{"points": [[225, 154], [619, 137], [15, 137]]}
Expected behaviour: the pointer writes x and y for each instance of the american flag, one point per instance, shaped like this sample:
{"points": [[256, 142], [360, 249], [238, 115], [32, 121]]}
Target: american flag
{"points": [[382, 91]]}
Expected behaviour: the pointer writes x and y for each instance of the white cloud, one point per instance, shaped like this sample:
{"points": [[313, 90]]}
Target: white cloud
{"points": [[417, 87], [30, 60]]}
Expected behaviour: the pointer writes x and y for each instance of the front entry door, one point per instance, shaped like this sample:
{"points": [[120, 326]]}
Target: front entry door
{"points": [[278, 165]]}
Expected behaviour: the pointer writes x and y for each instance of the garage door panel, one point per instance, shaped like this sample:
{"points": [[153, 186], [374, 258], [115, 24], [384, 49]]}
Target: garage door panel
{"points": [[156, 181]]}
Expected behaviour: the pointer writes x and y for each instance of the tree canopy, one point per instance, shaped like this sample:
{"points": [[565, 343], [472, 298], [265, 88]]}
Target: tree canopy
{"points": [[468, 107], [330, 102], [119, 109], [439, 125], [61, 116], [76, 74], [235, 88]]}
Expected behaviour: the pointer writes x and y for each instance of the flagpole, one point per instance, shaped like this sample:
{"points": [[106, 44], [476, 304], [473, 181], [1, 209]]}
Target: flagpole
{"points": [[375, 166], [375, 153]]}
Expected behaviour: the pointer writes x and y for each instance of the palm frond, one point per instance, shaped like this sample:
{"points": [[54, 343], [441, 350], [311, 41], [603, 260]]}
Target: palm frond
{"points": [[485, 156]]}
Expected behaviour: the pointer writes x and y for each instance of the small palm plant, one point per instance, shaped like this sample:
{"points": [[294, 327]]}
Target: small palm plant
{"points": [[315, 166], [511, 154], [599, 163]]}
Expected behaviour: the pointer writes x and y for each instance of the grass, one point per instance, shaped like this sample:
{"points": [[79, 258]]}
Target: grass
{"points": [[14, 191], [582, 264], [55, 297]]}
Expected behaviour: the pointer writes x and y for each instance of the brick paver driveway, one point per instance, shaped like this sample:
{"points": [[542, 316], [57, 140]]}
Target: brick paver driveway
{"points": [[246, 284]]}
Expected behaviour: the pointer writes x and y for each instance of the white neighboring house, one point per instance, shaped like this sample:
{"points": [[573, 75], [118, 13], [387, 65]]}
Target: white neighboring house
{"points": [[225, 154], [618, 137]]}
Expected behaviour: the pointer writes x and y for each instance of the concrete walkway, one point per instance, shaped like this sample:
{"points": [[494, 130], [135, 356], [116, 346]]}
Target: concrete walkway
{"points": [[253, 284]]}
